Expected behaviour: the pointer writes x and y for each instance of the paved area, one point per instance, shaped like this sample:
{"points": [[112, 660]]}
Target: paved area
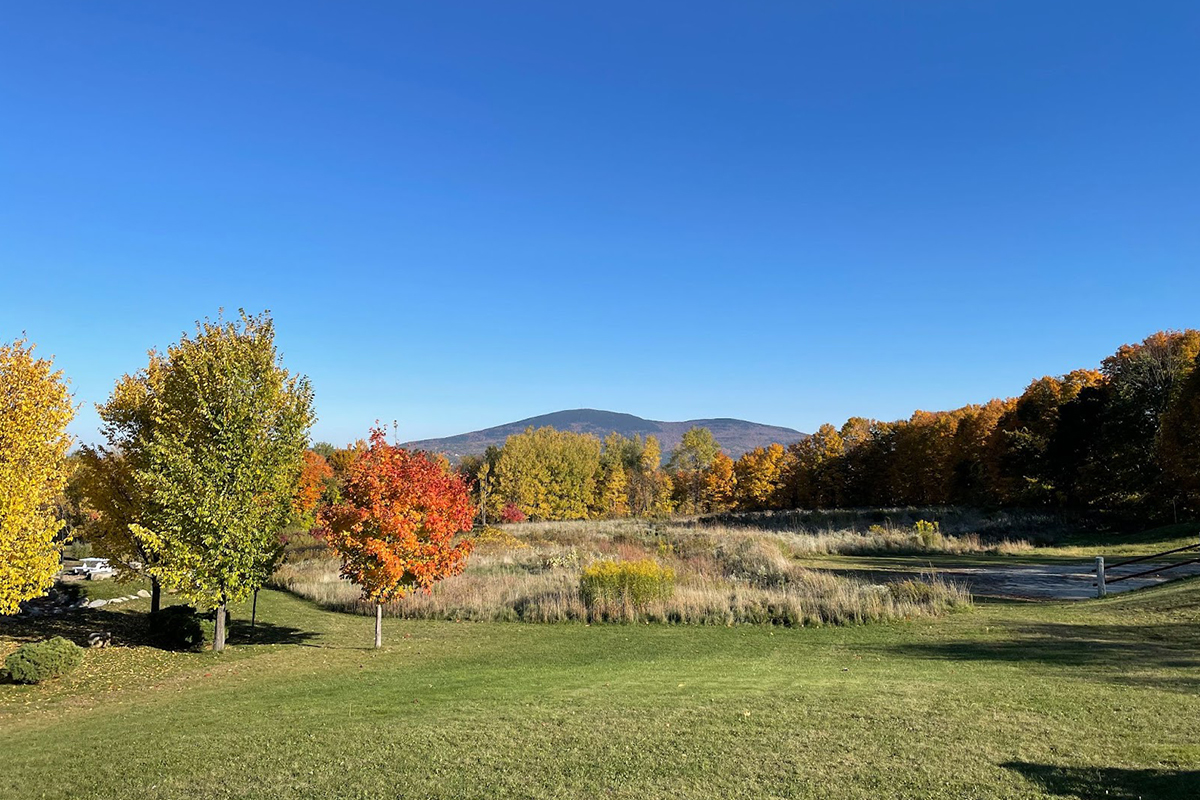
{"points": [[1058, 581]]}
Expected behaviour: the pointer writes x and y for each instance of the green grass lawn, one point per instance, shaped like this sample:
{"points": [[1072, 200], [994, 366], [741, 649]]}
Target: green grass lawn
{"points": [[1097, 699], [1140, 543]]}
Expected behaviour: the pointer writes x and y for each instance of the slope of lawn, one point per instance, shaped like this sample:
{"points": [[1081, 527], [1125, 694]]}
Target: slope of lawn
{"points": [[1097, 699]]}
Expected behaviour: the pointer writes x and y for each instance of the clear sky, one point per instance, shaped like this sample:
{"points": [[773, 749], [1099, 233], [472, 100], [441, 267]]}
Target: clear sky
{"points": [[462, 214]]}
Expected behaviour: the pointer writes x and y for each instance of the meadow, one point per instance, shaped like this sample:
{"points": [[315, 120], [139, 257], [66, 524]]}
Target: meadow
{"points": [[719, 576]]}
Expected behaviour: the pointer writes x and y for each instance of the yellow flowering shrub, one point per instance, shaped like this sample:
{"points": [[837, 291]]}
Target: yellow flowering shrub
{"points": [[636, 583]]}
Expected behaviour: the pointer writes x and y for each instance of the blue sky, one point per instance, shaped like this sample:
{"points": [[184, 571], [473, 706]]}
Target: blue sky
{"points": [[462, 214]]}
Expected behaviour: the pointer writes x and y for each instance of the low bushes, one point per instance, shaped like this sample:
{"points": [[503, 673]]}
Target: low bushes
{"points": [[180, 628], [38, 661], [496, 539], [633, 583], [913, 591], [512, 513]]}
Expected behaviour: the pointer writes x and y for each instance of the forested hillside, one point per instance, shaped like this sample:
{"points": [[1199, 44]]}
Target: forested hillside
{"points": [[736, 435]]}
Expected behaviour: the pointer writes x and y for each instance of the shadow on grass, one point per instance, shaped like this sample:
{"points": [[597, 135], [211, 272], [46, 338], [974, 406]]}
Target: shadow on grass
{"points": [[127, 628], [130, 629], [240, 632], [1110, 783], [1115, 653]]}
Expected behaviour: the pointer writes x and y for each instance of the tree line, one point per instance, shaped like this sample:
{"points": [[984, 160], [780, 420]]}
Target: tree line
{"points": [[1124, 437]]}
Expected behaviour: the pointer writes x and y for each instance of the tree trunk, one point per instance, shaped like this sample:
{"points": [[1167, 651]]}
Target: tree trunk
{"points": [[378, 625], [219, 634], [155, 595], [253, 612]]}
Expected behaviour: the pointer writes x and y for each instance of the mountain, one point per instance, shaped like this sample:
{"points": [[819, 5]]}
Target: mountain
{"points": [[736, 436]]}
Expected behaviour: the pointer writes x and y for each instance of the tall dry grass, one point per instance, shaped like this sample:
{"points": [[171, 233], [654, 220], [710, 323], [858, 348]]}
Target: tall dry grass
{"points": [[723, 576], [1038, 526]]}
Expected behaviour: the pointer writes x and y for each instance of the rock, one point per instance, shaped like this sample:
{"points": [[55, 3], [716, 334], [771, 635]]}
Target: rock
{"points": [[143, 593], [117, 600], [97, 603], [99, 639]]}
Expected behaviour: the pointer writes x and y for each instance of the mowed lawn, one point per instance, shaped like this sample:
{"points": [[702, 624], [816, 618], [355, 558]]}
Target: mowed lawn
{"points": [[1098, 699]]}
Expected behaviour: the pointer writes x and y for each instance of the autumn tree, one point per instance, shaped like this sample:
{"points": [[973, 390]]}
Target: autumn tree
{"points": [[719, 484], [112, 491], [1019, 446], [650, 488], [548, 474], [395, 526], [110, 475], [1143, 380], [70, 506], [757, 475], [620, 460], [35, 408], [479, 472], [612, 488], [695, 454], [314, 486], [970, 481], [1179, 441], [921, 462], [340, 458], [223, 461], [696, 450], [858, 469], [809, 475]]}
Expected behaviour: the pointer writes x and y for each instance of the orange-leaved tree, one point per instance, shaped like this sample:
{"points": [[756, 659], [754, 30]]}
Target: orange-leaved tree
{"points": [[394, 528], [315, 477]]}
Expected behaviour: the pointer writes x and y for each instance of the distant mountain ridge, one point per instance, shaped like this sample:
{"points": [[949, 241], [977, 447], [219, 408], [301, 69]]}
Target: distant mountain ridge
{"points": [[736, 436]]}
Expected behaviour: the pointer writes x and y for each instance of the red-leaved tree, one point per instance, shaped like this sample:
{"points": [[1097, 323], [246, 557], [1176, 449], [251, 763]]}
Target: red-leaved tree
{"points": [[512, 513], [395, 526]]}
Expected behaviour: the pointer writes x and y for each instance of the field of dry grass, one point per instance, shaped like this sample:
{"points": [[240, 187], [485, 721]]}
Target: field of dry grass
{"points": [[724, 576]]}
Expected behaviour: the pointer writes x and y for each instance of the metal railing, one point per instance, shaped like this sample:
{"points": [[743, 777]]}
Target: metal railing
{"points": [[1102, 579]]}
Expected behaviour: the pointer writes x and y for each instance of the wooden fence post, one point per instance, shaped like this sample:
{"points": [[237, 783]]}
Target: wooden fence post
{"points": [[1101, 591]]}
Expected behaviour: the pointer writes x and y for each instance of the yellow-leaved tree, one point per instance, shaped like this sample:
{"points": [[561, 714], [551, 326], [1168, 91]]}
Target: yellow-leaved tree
{"points": [[35, 408]]}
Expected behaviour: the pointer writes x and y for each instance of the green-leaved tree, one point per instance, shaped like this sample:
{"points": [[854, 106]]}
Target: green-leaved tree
{"points": [[222, 466]]}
